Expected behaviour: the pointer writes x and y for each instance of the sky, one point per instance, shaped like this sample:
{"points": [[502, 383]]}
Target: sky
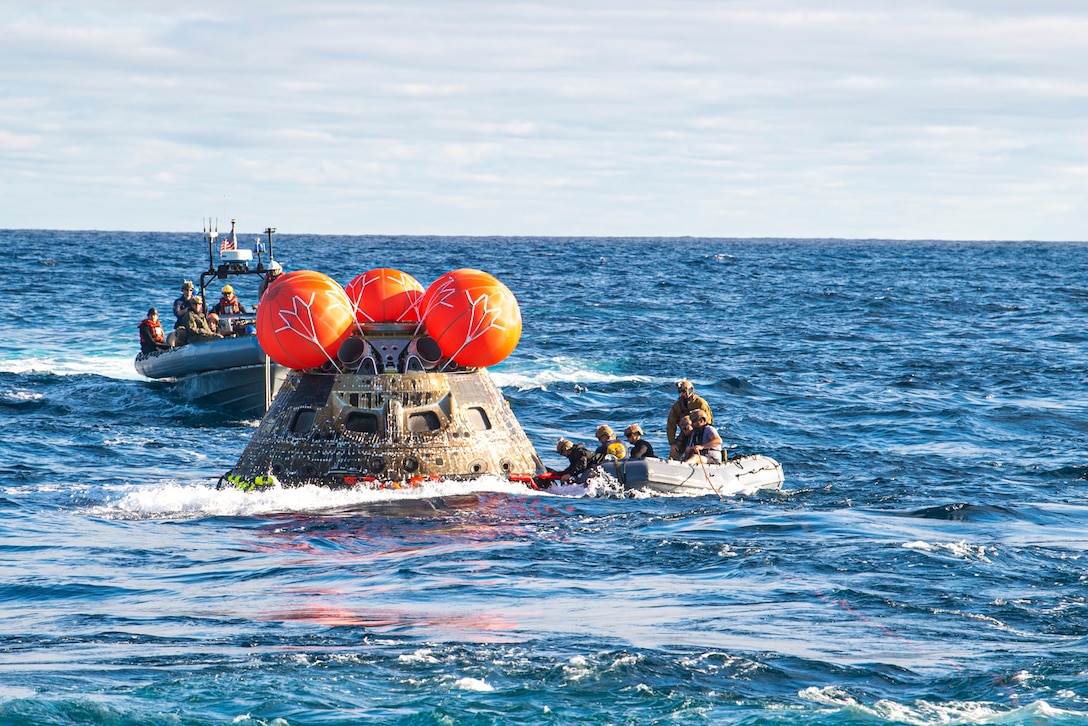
{"points": [[952, 119]]}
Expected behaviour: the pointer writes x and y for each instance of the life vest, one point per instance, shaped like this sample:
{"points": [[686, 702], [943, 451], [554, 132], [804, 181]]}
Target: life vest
{"points": [[155, 328], [228, 306]]}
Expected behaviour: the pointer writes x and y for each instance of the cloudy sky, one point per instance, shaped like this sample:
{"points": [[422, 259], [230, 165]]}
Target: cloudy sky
{"points": [[951, 119]]}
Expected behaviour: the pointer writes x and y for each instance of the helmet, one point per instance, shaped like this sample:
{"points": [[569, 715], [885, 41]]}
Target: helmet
{"points": [[187, 285], [274, 266], [697, 415], [152, 311], [604, 430], [197, 299], [228, 290], [632, 429], [684, 385], [563, 446]]}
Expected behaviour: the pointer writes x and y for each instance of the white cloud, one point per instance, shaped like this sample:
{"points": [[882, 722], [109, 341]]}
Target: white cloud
{"points": [[956, 118]]}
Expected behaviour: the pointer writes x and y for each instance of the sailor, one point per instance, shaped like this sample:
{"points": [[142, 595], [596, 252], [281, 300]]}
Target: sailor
{"points": [[193, 327], [229, 304], [610, 445], [181, 305], [640, 447], [683, 439], [706, 444], [582, 463], [152, 337], [686, 403], [273, 274]]}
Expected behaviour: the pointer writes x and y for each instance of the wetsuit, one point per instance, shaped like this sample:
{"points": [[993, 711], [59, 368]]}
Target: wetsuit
{"points": [[641, 450], [581, 463]]}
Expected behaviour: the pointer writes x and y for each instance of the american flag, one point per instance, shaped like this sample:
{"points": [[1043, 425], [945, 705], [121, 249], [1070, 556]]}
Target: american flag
{"points": [[230, 242]]}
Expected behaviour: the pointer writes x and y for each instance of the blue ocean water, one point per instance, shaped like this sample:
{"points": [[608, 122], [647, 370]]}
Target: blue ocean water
{"points": [[924, 564]]}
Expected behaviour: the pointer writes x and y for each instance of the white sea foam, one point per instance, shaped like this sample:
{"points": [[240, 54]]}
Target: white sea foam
{"points": [[473, 684], [925, 713], [541, 374], [959, 549], [180, 500], [65, 364]]}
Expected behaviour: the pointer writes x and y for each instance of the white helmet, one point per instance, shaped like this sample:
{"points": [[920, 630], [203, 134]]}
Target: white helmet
{"points": [[274, 266]]}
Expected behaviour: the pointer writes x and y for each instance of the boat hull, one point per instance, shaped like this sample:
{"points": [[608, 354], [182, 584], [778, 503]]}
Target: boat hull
{"points": [[232, 374], [742, 475]]}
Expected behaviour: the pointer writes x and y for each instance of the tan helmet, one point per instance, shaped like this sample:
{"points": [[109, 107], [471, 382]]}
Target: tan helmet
{"points": [[605, 430], [684, 420], [684, 386], [632, 430], [697, 415], [563, 446], [196, 299]]}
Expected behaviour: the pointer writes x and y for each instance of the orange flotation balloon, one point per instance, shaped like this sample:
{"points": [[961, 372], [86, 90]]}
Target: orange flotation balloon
{"points": [[303, 319], [473, 317], [385, 295]]}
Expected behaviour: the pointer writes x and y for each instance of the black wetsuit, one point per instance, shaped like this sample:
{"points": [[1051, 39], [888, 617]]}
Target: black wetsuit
{"points": [[641, 450], [581, 461]]}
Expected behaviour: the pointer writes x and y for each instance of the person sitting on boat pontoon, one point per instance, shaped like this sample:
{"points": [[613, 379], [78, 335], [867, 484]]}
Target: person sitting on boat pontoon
{"points": [[194, 327], [273, 274], [152, 337], [706, 444], [181, 305], [686, 403], [610, 445], [640, 447], [582, 463], [229, 304], [683, 439]]}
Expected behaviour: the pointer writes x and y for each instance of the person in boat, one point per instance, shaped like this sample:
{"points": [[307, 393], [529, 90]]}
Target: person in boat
{"points": [[273, 274], [706, 444], [686, 403], [582, 463], [181, 305], [213, 321], [229, 304], [640, 447], [194, 327], [610, 444], [152, 337], [683, 439]]}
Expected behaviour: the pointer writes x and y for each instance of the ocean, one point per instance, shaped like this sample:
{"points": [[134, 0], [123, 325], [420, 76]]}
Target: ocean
{"points": [[923, 564]]}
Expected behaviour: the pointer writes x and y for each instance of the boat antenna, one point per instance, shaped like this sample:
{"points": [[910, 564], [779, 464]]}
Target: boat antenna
{"points": [[270, 231]]}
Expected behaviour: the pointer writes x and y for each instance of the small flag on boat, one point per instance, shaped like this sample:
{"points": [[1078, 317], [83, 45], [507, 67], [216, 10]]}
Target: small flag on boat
{"points": [[230, 242]]}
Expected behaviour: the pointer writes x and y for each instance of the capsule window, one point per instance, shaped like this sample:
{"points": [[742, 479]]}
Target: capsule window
{"points": [[423, 421], [303, 420], [361, 422], [477, 418]]}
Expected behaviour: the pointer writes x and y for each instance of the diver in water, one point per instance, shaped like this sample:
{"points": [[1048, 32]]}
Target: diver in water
{"points": [[582, 463]]}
